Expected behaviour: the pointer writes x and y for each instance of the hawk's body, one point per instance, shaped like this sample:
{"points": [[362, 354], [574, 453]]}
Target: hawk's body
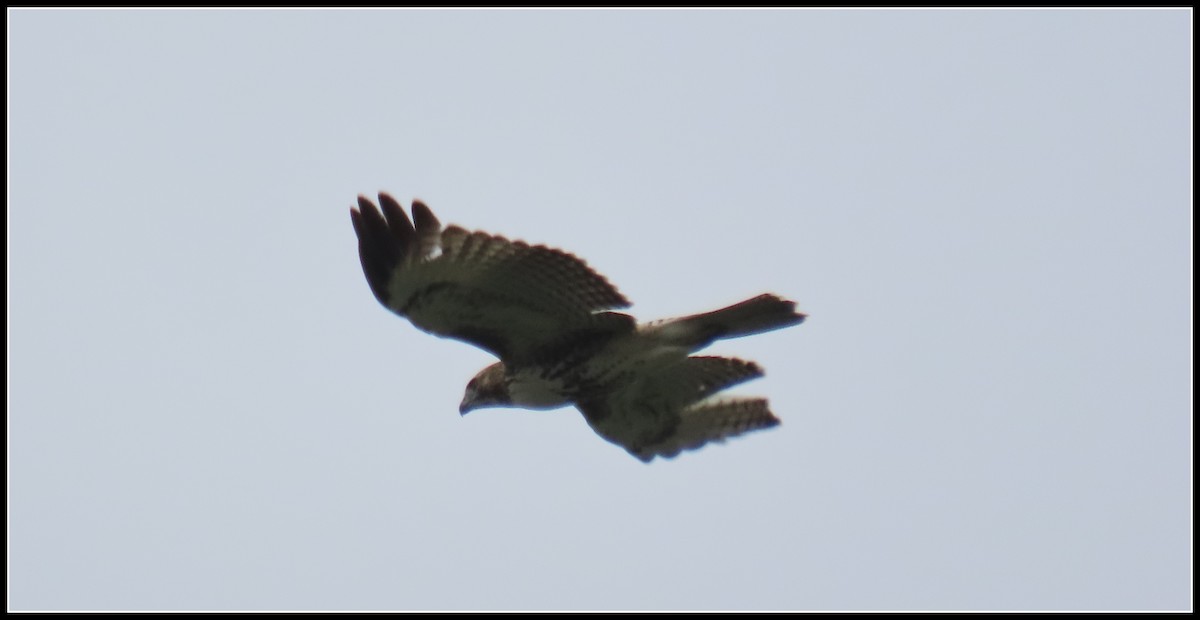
{"points": [[551, 321]]}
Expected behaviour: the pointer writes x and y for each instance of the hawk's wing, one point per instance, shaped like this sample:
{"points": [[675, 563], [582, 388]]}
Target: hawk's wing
{"points": [[515, 300], [673, 409]]}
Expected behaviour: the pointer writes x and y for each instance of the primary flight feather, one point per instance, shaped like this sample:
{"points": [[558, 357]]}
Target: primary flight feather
{"points": [[552, 321]]}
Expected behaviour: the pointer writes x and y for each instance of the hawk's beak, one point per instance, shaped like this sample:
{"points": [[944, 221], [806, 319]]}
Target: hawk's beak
{"points": [[465, 407]]}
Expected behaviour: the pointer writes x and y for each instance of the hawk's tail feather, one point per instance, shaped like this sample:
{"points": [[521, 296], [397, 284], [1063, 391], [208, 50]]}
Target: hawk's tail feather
{"points": [[712, 421], [760, 314], [754, 316]]}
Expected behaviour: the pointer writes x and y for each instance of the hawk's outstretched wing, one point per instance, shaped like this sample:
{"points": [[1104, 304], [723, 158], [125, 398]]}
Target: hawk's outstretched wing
{"points": [[674, 409], [518, 301]]}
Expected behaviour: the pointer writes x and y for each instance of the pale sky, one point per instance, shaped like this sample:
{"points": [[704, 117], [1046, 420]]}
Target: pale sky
{"points": [[987, 215]]}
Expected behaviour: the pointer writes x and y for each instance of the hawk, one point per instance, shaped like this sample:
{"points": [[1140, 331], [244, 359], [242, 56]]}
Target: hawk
{"points": [[552, 322]]}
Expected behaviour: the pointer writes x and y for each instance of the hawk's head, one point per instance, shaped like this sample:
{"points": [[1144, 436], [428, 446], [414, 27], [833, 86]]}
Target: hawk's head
{"points": [[489, 388]]}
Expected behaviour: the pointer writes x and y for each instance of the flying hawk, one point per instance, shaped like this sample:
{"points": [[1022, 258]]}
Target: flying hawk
{"points": [[549, 318]]}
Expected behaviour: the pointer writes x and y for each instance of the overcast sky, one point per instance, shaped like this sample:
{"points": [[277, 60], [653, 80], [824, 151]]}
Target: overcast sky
{"points": [[987, 215]]}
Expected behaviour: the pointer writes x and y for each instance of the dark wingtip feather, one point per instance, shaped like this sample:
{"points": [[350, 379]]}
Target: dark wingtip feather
{"points": [[356, 220], [423, 217], [365, 203], [378, 250], [398, 222]]}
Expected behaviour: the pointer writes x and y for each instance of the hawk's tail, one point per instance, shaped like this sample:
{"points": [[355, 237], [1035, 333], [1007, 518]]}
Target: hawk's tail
{"points": [[753, 316], [711, 421]]}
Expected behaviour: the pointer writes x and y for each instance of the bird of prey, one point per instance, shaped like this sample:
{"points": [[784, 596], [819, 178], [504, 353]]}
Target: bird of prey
{"points": [[552, 322]]}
